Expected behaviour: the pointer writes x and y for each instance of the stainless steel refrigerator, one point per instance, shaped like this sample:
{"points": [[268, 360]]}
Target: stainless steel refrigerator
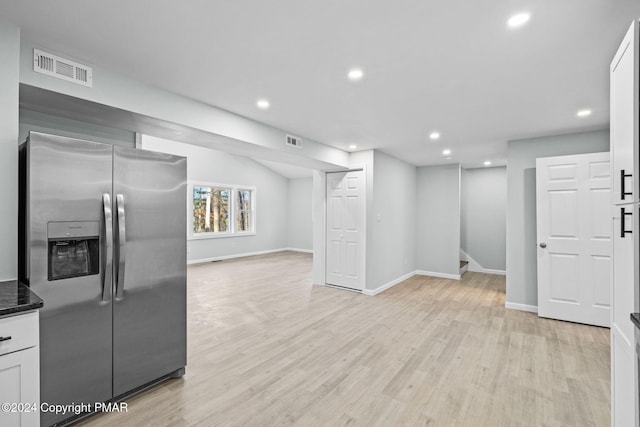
{"points": [[103, 242]]}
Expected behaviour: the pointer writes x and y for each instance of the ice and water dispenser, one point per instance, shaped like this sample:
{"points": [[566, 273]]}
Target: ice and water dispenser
{"points": [[73, 249]]}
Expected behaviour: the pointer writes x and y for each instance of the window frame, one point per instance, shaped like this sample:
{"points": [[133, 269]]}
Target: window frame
{"points": [[232, 211]]}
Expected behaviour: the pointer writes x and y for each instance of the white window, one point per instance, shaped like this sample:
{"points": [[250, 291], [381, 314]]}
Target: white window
{"points": [[221, 210]]}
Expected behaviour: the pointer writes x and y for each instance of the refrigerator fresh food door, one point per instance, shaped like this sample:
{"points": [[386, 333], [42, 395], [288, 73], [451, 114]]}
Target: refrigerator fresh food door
{"points": [[68, 183], [149, 311]]}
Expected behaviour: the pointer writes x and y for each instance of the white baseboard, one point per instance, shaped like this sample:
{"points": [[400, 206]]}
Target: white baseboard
{"points": [[223, 257], [307, 251], [498, 272], [376, 291], [436, 274], [521, 307]]}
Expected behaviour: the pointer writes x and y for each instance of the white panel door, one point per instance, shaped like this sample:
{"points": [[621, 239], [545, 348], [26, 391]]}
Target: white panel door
{"points": [[345, 227], [574, 238]]}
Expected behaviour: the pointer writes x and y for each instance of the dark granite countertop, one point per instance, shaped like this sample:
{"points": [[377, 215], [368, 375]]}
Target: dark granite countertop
{"points": [[635, 318], [16, 297]]}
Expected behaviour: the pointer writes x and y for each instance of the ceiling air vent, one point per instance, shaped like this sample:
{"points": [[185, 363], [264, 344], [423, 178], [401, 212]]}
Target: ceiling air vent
{"points": [[61, 68], [294, 141]]}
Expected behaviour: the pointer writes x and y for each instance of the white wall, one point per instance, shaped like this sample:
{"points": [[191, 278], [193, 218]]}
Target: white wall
{"points": [[483, 232], [211, 166], [9, 73], [438, 221], [299, 212], [522, 276]]}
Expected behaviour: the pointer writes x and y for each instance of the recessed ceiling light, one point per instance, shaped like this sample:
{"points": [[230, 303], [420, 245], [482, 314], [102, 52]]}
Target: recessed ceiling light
{"points": [[263, 104], [353, 147], [487, 163], [446, 152], [583, 113], [355, 74], [518, 19], [434, 135]]}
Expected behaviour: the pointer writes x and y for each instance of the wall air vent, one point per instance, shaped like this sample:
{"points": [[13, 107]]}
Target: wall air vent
{"points": [[294, 141], [61, 68]]}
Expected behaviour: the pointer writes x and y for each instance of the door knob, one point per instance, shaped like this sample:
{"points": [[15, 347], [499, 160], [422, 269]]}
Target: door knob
{"points": [[543, 245]]}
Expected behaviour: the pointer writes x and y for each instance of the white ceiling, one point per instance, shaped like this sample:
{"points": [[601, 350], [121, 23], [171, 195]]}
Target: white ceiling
{"points": [[446, 65]]}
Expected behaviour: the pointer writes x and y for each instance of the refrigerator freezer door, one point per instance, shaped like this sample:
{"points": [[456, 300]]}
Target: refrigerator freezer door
{"points": [[66, 180], [150, 310]]}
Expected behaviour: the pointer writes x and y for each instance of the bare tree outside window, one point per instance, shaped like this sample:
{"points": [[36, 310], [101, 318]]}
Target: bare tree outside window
{"points": [[210, 209], [244, 210]]}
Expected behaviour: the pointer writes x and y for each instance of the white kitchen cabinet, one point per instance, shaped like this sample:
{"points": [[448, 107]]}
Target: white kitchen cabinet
{"points": [[625, 252], [625, 149], [19, 370], [622, 362], [624, 119], [623, 303]]}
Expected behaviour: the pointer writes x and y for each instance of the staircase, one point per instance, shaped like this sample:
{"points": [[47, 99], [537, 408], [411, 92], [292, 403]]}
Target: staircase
{"points": [[463, 267]]}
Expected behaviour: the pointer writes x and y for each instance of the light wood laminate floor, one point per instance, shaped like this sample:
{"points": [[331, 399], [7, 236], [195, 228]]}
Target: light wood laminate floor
{"points": [[265, 348]]}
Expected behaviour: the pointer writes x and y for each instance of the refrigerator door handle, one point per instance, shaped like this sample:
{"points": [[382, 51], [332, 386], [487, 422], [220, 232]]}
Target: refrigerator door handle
{"points": [[623, 177], [122, 242], [623, 227], [107, 260]]}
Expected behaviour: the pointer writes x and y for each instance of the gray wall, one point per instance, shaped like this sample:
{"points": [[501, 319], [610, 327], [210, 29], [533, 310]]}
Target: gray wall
{"points": [[118, 91], [391, 221], [211, 166], [438, 221], [483, 231], [299, 214], [9, 74], [390, 218], [522, 285]]}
